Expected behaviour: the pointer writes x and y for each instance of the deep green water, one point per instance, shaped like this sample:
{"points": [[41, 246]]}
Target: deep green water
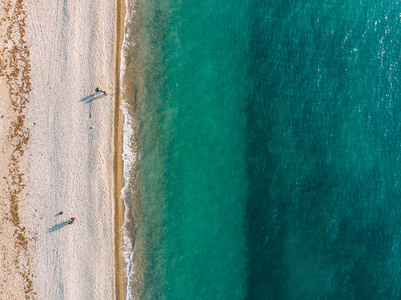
{"points": [[268, 143]]}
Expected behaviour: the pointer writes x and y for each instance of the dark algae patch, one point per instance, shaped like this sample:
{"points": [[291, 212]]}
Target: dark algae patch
{"points": [[15, 71]]}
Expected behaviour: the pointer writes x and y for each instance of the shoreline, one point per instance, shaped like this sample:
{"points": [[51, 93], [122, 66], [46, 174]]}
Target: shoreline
{"points": [[118, 180]]}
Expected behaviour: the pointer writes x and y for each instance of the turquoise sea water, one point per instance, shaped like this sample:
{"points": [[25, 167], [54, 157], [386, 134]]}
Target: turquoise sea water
{"points": [[262, 149]]}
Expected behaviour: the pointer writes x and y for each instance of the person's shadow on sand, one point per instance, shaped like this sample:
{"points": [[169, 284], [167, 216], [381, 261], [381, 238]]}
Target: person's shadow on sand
{"points": [[58, 226], [92, 97]]}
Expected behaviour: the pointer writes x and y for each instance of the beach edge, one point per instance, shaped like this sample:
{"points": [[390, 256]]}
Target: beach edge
{"points": [[118, 180]]}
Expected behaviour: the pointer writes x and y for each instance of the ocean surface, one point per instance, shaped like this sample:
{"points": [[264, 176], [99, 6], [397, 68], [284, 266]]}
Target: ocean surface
{"points": [[262, 149]]}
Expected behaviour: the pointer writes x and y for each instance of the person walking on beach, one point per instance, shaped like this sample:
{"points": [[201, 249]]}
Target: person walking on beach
{"points": [[99, 90], [70, 221]]}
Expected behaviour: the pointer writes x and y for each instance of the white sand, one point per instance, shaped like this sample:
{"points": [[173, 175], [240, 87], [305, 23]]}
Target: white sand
{"points": [[68, 162]]}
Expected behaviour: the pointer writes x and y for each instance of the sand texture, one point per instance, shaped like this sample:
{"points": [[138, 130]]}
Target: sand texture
{"points": [[56, 137]]}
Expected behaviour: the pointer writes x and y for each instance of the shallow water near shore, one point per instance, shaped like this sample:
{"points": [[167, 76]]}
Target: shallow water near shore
{"points": [[262, 150]]}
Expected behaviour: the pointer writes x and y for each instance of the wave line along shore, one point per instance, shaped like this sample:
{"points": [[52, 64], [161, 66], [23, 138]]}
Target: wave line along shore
{"points": [[120, 281]]}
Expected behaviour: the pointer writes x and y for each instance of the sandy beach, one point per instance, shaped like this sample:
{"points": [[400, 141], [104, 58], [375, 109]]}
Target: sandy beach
{"points": [[58, 156]]}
